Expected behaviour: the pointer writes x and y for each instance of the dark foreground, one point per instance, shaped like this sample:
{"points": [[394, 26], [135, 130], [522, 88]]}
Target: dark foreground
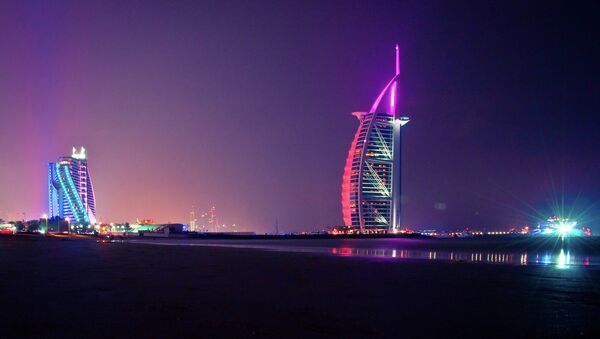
{"points": [[79, 288]]}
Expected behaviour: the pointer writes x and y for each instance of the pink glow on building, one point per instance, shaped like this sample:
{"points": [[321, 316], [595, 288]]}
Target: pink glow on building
{"points": [[395, 85], [382, 94], [346, 181]]}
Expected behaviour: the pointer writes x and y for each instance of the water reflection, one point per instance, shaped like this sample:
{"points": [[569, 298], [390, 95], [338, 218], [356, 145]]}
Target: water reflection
{"points": [[562, 260]]}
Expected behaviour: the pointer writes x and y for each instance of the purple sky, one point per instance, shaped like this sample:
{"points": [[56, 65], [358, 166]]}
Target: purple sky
{"points": [[247, 106]]}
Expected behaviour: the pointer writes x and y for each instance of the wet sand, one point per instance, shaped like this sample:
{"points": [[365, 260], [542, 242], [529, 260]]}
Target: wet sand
{"points": [[78, 288]]}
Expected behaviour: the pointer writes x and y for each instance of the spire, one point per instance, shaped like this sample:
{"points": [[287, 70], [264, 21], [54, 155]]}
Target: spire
{"points": [[397, 59], [389, 89], [394, 93]]}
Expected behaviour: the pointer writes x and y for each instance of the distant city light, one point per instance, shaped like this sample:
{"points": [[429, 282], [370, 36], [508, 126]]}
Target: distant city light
{"points": [[562, 227], [565, 228]]}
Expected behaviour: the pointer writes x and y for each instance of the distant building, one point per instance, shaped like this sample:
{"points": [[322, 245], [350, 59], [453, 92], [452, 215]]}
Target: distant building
{"points": [[192, 227], [158, 228], [561, 227], [372, 179], [70, 189]]}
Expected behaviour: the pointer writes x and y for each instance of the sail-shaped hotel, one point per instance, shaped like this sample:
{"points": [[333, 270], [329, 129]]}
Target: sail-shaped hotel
{"points": [[371, 184]]}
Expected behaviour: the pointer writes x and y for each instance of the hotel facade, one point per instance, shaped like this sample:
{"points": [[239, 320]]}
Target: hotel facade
{"points": [[371, 185], [70, 189]]}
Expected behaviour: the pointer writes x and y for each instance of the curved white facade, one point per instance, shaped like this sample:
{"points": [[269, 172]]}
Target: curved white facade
{"points": [[372, 176]]}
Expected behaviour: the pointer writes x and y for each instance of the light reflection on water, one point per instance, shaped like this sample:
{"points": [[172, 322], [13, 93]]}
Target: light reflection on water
{"points": [[562, 260]]}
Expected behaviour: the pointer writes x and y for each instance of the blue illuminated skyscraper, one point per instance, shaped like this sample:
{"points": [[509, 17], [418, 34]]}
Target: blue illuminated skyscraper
{"points": [[70, 190]]}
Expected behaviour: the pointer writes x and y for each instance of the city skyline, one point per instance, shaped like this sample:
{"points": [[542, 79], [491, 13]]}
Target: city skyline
{"points": [[246, 108]]}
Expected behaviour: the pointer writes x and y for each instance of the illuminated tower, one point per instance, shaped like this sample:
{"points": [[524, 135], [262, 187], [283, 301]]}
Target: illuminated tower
{"points": [[70, 190], [371, 185], [212, 220], [193, 221]]}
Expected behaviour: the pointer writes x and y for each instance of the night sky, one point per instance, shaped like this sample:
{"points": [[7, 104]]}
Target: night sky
{"points": [[247, 106]]}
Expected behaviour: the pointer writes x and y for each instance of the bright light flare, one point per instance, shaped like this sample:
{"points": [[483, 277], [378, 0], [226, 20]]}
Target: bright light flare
{"points": [[566, 228]]}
